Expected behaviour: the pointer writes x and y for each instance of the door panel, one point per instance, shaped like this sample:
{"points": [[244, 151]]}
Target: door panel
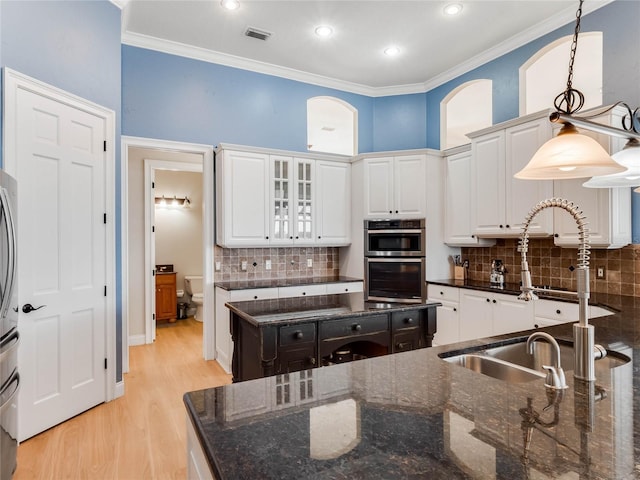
{"points": [[61, 202]]}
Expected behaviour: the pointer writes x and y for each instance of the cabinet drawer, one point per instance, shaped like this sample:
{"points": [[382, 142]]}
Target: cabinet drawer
{"points": [[353, 326], [347, 287], [439, 292], [404, 320], [253, 294], [302, 291], [293, 334], [558, 311], [166, 279]]}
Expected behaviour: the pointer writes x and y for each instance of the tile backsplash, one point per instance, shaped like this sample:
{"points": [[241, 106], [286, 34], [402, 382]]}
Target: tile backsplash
{"points": [[289, 262], [550, 265]]}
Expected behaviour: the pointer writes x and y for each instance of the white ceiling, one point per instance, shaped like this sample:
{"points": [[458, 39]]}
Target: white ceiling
{"points": [[434, 48]]}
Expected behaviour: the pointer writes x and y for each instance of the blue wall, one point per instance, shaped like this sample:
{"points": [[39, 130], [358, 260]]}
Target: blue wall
{"points": [[74, 46], [176, 98]]}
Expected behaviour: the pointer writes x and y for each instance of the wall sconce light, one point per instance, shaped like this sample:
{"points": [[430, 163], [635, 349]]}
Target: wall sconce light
{"points": [[571, 154], [174, 202]]}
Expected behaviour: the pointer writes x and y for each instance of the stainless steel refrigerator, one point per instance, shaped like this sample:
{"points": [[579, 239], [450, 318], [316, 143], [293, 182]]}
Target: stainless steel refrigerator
{"points": [[9, 336]]}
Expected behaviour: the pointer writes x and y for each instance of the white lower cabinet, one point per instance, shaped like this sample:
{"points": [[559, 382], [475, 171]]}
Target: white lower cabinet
{"points": [[197, 465], [468, 314]]}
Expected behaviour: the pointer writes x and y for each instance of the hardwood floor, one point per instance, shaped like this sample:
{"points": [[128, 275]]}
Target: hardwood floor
{"points": [[140, 435]]}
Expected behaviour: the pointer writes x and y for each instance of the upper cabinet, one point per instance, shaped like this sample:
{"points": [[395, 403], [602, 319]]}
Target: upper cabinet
{"points": [[395, 186], [459, 224], [500, 201], [266, 198]]}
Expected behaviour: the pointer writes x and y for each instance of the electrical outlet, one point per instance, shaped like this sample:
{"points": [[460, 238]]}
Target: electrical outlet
{"points": [[600, 272], [243, 265], [218, 266], [309, 262], [267, 264]]}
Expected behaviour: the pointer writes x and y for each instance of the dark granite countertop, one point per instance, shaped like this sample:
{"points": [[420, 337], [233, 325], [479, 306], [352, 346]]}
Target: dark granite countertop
{"points": [[414, 415], [320, 307], [282, 282]]}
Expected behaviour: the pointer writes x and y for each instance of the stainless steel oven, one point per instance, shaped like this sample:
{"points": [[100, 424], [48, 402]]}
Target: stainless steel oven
{"points": [[394, 238], [394, 263]]}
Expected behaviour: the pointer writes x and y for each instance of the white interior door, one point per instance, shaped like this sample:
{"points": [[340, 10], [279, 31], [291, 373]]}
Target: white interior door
{"points": [[60, 160]]}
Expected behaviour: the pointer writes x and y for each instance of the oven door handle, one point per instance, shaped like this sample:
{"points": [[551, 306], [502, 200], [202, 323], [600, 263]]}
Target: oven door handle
{"points": [[7, 346], [395, 259], [416, 230]]}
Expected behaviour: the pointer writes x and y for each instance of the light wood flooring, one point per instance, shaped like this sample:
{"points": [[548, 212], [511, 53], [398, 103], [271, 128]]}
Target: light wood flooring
{"points": [[140, 435]]}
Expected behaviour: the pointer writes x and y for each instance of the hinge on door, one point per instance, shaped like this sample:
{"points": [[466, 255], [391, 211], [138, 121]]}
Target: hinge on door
{"points": [[105, 290], [105, 218], [105, 145], [105, 363]]}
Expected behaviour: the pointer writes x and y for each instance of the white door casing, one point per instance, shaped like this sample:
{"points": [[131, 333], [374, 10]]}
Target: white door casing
{"points": [[150, 167], [55, 145]]}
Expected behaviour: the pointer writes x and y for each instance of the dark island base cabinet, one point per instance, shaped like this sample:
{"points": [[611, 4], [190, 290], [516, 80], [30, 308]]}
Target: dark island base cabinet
{"points": [[276, 349]]}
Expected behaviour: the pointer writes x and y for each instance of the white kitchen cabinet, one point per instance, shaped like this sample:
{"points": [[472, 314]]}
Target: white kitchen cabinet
{"points": [[333, 203], [486, 313], [395, 186], [268, 198], [242, 199], [553, 312], [499, 201], [448, 317], [197, 464], [459, 223]]}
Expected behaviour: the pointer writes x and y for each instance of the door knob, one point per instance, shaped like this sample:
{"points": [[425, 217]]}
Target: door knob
{"points": [[27, 308]]}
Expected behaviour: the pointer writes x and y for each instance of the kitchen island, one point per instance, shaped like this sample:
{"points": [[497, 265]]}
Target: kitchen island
{"points": [[293, 334], [415, 415]]}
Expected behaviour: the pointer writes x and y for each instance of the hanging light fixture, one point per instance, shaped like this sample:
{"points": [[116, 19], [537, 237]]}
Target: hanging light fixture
{"points": [[570, 154], [628, 157]]}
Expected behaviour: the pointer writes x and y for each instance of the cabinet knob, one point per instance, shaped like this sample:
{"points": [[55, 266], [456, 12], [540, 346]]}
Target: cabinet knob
{"points": [[255, 297], [304, 293], [441, 293], [401, 345], [298, 335], [312, 360], [508, 226], [536, 326], [494, 301], [319, 237], [488, 300], [297, 237], [558, 312], [501, 226], [556, 235], [267, 237], [357, 327], [408, 320], [290, 238], [396, 211], [390, 211], [346, 289], [473, 236], [455, 309]]}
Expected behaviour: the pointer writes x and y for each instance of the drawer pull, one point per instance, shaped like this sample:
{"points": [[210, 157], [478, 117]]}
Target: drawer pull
{"points": [[558, 312], [304, 293], [255, 297], [441, 293], [312, 360], [401, 345], [488, 300], [455, 309], [298, 335], [356, 327], [494, 301], [408, 320], [346, 289]]}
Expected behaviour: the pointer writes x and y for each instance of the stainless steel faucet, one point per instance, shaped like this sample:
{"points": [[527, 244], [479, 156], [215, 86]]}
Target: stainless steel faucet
{"points": [[555, 374], [585, 350]]}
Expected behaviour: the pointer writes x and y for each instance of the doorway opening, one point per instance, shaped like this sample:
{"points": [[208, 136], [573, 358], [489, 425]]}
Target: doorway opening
{"points": [[142, 159]]}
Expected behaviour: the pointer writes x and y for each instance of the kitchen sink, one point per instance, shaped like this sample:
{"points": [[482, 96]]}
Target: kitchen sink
{"points": [[509, 361]]}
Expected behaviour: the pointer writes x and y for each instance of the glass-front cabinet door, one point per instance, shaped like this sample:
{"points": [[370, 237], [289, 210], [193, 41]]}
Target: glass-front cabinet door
{"points": [[291, 200]]}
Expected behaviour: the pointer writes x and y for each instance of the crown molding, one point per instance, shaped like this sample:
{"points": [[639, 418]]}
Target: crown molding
{"points": [[120, 3], [210, 56]]}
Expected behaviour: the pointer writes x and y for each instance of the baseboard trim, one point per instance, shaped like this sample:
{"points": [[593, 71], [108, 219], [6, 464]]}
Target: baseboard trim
{"points": [[119, 392], [137, 340]]}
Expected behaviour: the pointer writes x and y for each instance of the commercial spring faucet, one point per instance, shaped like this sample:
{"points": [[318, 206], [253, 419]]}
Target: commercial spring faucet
{"points": [[585, 350]]}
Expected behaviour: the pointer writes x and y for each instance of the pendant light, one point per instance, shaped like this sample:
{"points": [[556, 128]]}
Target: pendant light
{"points": [[628, 157], [570, 154]]}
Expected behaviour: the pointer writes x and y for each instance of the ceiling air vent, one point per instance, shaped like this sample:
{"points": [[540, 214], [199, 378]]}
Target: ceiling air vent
{"points": [[256, 33]]}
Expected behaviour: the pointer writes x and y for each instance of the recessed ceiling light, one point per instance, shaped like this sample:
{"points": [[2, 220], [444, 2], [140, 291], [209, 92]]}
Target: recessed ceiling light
{"points": [[324, 31], [230, 4], [453, 9], [391, 51]]}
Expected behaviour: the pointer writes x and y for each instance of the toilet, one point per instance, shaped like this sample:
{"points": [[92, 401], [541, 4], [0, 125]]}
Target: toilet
{"points": [[193, 286]]}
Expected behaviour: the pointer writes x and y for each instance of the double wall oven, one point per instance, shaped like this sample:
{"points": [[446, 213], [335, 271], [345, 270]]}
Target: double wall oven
{"points": [[394, 263]]}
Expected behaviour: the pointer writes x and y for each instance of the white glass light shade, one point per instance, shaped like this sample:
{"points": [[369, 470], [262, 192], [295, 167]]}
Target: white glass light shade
{"points": [[569, 155], [628, 157]]}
